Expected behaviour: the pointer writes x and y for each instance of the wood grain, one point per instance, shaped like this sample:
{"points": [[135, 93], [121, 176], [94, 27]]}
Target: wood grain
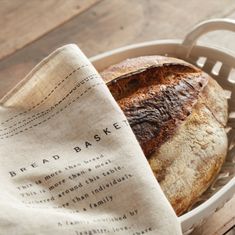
{"points": [[231, 231], [103, 26], [111, 24], [220, 222], [23, 21]]}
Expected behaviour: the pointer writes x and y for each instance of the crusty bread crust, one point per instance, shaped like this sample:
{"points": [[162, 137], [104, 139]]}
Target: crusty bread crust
{"points": [[186, 164], [134, 65], [178, 114], [155, 99]]}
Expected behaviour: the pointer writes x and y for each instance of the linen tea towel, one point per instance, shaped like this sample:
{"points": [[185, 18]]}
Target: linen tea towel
{"points": [[69, 162]]}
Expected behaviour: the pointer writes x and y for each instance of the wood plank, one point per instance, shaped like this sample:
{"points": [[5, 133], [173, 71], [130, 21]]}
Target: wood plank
{"points": [[231, 231], [111, 24], [23, 21], [108, 25], [220, 222]]}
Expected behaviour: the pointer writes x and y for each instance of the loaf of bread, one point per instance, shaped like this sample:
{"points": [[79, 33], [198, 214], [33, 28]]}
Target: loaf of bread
{"points": [[178, 114]]}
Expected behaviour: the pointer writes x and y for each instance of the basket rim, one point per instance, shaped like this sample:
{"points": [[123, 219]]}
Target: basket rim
{"points": [[226, 192], [160, 42]]}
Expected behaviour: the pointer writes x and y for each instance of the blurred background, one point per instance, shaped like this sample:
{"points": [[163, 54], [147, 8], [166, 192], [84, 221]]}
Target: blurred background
{"points": [[31, 29]]}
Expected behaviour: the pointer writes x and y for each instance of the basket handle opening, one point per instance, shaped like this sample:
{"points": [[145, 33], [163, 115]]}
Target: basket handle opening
{"points": [[205, 27]]}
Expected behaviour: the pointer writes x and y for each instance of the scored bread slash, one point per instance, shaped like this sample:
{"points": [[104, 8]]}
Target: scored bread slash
{"points": [[155, 99], [177, 113]]}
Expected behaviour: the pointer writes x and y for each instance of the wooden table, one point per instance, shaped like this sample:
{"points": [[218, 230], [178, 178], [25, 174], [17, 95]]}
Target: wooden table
{"points": [[30, 30]]}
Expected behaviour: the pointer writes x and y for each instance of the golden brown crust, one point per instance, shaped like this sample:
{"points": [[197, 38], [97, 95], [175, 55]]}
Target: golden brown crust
{"points": [[156, 99], [214, 98], [134, 65], [187, 164], [178, 114]]}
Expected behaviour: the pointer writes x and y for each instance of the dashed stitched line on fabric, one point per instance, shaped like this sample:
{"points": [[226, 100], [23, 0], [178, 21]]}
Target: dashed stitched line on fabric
{"points": [[51, 108], [22, 121], [21, 131], [90, 77], [46, 97]]}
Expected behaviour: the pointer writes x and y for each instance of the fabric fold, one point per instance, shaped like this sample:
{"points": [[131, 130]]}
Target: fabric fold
{"points": [[69, 161]]}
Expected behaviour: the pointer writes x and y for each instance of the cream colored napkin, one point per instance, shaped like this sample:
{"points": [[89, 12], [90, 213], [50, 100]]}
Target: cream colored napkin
{"points": [[69, 162]]}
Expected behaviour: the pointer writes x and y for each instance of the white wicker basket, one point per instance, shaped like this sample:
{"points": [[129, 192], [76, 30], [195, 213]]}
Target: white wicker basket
{"points": [[220, 64]]}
